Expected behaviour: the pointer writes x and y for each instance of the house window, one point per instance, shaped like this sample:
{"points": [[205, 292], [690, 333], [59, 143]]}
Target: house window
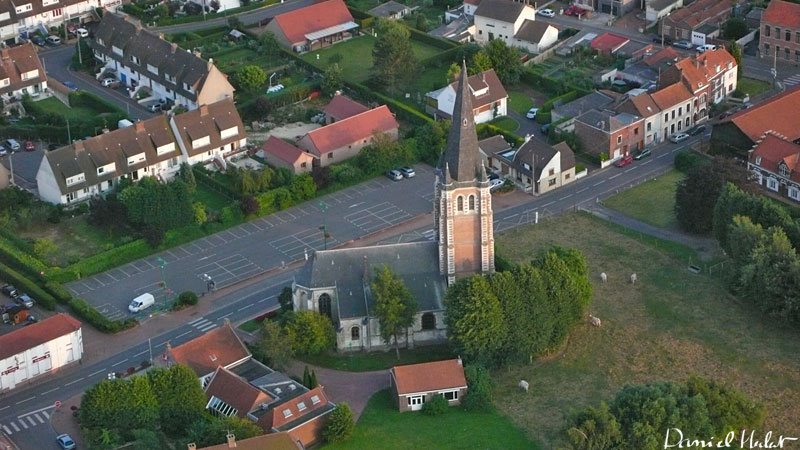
{"points": [[679, 125], [287, 413], [673, 113], [787, 54], [666, 117], [777, 50], [450, 396], [794, 193], [303, 165], [680, 111], [619, 139], [301, 406], [772, 184], [552, 182], [552, 172], [472, 203], [784, 171], [460, 203], [416, 400], [797, 56], [758, 160], [797, 37], [766, 49], [777, 33], [687, 122], [649, 126], [330, 155], [220, 408], [636, 130], [325, 305], [314, 399], [429, 321], [788, 35], [766, 30], [355, 333]]}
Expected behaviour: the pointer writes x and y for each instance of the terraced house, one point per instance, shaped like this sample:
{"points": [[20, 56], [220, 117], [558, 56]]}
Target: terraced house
{"points": [[146, 63], [780, 31], [21, 73], [21, 18]]}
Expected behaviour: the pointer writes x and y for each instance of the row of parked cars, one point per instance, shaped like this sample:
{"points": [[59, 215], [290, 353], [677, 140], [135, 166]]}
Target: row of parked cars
{"points": [[408, 172], [18, 297], [12, 146]]}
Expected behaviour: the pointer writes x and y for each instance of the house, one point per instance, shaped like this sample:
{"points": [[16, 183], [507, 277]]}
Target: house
{"points": [[501, 19], [645, 107], [414, 384], [18, 20], [210, 132], [489, 98], [710, 77], [280, 153], [535, 37], [608, 43], [303, 416], [681, 24], [459, 28], [656, 9], [313, 27], [583, 39], [390, 10], [143, 60], [21, 73], [780, 32], [341, 107], [609, 133], [536, 165], [38, 349], [775, 163], [675, 104], [470, 6], [217, 6], [617, 8], [336, 283], [218, 347], [342, 140], [230, 395], [566, 113], [273, 441], [94, 166], [491, 146], [647, 70]]}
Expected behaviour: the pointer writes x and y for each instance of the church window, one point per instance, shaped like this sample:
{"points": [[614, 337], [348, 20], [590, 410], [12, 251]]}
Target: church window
{"points": [[472, 203], [355, 333], [325, 305], [460, 202], [428, 321]]}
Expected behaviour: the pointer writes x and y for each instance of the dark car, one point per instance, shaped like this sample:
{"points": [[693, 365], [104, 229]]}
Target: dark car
{"points": [[642, 154], [38, 40], [70, 85], [9, 290], [697, 129], [667, 40]]}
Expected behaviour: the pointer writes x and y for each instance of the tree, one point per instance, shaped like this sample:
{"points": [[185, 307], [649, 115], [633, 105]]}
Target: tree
{"points": [[474, 318], [736, 51], [734, 29], [393, 57], [145, 440], [210, 431], [249, 205], [479, 394], [275, 345], [269, 44], [186, 174], [771, 278], [332, 79], [340, 424], [285, 300], [480, 63], [395, 307], [310, 332], [595, 429], [505, 60], [120, 405], [251, 77], [306, 377], [234, 23], [695, 197], [154, 235], [421, 23], [312, 380], [200, 215]]}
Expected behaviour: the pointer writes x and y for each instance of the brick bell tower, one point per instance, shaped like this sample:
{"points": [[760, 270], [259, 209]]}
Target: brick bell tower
{"points": [[462, 203]]}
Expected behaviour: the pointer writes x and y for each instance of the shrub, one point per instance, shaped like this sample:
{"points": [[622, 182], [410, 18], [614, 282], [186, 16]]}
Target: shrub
{"points": [[686, 160], [97, 320], [479, 395], [340, 424], [436, 406], [187, 298], [25, 284]]}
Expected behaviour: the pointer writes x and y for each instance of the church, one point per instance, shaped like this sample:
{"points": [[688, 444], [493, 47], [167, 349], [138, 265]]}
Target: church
{"points": [[336, 283]]}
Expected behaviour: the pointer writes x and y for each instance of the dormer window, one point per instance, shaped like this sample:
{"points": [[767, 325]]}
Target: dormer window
{"points": [[758, 160], [315, 399], [784, 171], [287, 413], [100, 41], [301, 406], [134, 59]]}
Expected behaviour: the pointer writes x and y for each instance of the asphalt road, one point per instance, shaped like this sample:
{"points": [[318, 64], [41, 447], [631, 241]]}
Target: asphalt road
{"points": [[247, 18]]}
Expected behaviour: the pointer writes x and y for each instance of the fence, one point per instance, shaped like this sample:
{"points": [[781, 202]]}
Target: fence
{"points": [[545, 54], [747, 38]]}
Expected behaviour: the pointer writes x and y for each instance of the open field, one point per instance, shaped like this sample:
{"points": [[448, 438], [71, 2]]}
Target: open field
{"points": [[74, 238], [381, 426], [651, 202], [670, 325]]}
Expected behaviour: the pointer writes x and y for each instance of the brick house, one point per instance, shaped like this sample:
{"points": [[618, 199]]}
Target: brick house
{"points": [[710, 77], [489, 98], [218, 347], [280, 153], [273, 441], [414, 384], [538, 166], [775, 163], [341, 107], [780, 32], [315, 26], [684, 22], [21, 72], [608, 132]]}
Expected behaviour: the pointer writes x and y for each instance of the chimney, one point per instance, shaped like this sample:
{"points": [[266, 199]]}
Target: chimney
{"points": [[5, 53], [527, 138], [460, 363], [173, 46], [78, 146], [191, 446], [139, 125], [203, 110], [231, 440], [197, 53]]}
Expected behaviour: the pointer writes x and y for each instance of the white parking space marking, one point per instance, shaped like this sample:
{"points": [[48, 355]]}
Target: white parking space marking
{"points": [[5, 428]]}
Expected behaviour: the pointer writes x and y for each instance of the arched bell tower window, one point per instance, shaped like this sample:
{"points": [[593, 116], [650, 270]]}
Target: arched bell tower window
{"points": [[472, 203], [460, 202]]}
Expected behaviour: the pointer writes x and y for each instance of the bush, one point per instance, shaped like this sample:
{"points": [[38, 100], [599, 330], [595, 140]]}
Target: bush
{"points": [[479, 395], [340, 424], [686, 160], [27, 285], [436, 406], [97, 320], [186, 298]]}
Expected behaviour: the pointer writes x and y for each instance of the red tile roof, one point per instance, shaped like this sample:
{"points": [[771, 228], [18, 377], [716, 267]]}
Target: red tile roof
{"points": [[279, 418], [15, 61], [353, 129], [671, 95], [609, 42], [271, 441], [38, 333], [318, 16], [780, 114], [785, 14], [487, 84], [774, 150], [219, 347], [284, 151], [699, 12], [236, 392], [697, 71], [342, 107], [665, 54], [428, 377]]}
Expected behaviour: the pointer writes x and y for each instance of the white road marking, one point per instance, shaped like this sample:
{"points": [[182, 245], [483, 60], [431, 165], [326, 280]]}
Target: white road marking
{"points": [[97, 373], [226, 315], [245, 307], [23, 401], [5, 428], [140, 353], [183, 334], [614, 176], [599, 183], [120, 362], [47, 392]]}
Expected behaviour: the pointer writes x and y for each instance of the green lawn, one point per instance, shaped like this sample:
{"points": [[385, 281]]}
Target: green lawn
{"points": [[74, 238], [752, 87], [651, 202], [506, 123], [251, 326], [53, 105], [213, 200], [365, 362], [670, 325], [381, 426], [519, 102]]}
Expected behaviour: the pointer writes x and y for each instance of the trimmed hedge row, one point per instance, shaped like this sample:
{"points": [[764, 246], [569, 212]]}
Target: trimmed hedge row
{"points": [[104, 261], [402, 110], [550, 84], [215, 185], [561, 99], [25, 284], [97, 320], [486, 130]]}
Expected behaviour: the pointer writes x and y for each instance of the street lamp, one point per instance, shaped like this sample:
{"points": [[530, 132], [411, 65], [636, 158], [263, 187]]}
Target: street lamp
{"points": [[210, 283], [162, 265], [323, 207]]}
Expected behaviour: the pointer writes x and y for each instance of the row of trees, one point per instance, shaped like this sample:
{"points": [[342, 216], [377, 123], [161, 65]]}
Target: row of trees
{"points": [[520, 313], [497, 55], [640, 415]]}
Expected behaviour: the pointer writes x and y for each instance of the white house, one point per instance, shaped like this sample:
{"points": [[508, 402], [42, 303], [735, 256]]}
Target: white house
{"points": [[218, 5], [22, 18], [211, 132], [38, 349], [512, 22], [489, 98], [21, 72], [535, 37]]}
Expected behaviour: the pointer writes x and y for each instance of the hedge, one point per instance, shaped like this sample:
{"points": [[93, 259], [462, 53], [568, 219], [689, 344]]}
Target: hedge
{"points": [[446, 57], [550, 84], [103, 261], [25, 284], [400, 109], [560, 100], [215, 185], [97, 320], [486, 130]]}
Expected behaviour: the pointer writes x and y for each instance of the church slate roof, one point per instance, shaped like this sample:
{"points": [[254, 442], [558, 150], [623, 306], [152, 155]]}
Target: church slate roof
{"points": [[417, 263], [461, 157]]}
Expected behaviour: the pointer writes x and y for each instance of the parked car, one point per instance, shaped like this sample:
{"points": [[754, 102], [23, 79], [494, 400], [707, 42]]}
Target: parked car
{"points": [[30, 146], [53, 40], [25, 300], [82, 33], [684, 44], [70, 85], [154, 107], [574, 10], [705, 47], [9, 290], [65, 442], [3, 151], [531, 114], [38, 40], [667, 40], [106, 82], [678, 138], [546, 13], [545, 129], [408, 172], [12, 145], [493, 176], [697, 129], [496, 184], [644, 153], [624, 161], [394, 175]]}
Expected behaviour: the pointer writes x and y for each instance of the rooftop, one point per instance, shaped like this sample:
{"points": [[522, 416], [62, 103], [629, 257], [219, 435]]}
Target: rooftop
{"points": [[218, 347], [33, 335], [430, 376], [781, 114], [352, 129], [315, 17], [782, 13], [502, 10]]}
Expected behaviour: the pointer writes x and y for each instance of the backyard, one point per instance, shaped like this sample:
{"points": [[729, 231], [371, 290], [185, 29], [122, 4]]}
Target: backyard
{"points": [[651, 202], [381, 426], [670, 325]]}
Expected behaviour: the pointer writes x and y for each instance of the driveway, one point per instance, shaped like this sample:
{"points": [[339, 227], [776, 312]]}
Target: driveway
{"points": [[355, 388]]}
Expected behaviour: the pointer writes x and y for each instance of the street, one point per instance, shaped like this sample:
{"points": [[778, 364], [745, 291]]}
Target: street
{"points": [[247, 18]]}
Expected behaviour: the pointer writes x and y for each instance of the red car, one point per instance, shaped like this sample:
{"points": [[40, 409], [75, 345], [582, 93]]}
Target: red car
{"points": [[624, 161], [574, 10], [30, 146]]}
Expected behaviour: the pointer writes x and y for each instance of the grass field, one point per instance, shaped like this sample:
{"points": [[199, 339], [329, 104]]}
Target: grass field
{"points": [[381, 426], [74, 237], [53, 105], [519, 102], [670, 325], [506, 123], [752, 87], [651, 202], [213, 200], [365, 362]]}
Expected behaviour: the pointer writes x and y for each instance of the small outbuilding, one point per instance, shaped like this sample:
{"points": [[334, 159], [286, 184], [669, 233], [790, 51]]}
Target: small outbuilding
{"points": [[414, 384]]}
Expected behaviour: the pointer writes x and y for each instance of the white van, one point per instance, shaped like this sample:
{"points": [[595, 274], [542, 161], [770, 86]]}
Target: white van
{"points": [[12, 145], [141, 302]]}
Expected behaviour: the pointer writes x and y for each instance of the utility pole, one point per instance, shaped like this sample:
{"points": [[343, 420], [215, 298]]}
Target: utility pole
{"points": [[80, 55], [11, 168], [69, 135], [323, 207]]}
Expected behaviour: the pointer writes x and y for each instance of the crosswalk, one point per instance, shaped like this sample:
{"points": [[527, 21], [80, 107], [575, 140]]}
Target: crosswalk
{"points": [[25, 422], [792, 80], [203, 324]]}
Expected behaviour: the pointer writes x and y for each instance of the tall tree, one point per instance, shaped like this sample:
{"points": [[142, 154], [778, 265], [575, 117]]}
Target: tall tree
{"points": [[395, 307], [187, 175], [181, 398], [595, 429], [736, 51], [275, 344], [393, 57], [250, 77], [332, 79], [340, 424], [310, 332], [474, 318], [695, 198], [506, 61], [771, 279]]}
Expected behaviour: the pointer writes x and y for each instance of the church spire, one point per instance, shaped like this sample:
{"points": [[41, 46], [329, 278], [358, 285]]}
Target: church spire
{"points": [[461, 155]]}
